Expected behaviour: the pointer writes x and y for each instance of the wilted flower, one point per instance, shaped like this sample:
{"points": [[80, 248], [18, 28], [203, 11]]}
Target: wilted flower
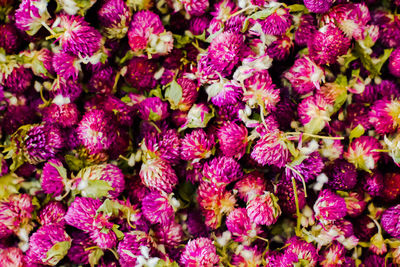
{"points": [[225, 93], [271, 149], [264, 209], [247, 256], [309, 168], [362, 152], [329, 207], [197, 145], [199, 252], [79, 251], [158, 174], [233, 139]]}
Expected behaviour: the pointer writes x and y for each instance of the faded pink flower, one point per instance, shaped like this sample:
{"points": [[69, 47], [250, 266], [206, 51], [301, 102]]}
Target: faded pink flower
{"points": [[314, 113], [239, 224], [385, 115], [329, 207], [251, 185], [362, 152], [158, 174], [271, 149], [264, 209], [199, 252]]}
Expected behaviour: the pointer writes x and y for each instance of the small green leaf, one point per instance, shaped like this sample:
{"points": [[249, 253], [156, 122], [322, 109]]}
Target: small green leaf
{"points": [[173, 94], [74, 163], [297, 8], [153, 116], [265, 13], [126, 99], [9, 184], [95, 256], [97, 189], [357, 132], [340, 100], [60, 169], [120, 235], [162, 263], [57, 252], [215, 34], [182, 41]]}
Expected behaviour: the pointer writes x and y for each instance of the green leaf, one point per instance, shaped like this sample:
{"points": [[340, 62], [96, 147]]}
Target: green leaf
{"points": [[201, 37], [120, 235], [154, 116], [57, 252], [162, 263], [265, 13], [372, 65], [156, 92], [357, 132], [314, 126], [110, 207], [297, 8], [95, 256], [9, 184], [383, 58], [74, 163], [126, 99], [60, 169], [341, 80], [186, 191], [340, 100], [97, 189], [182, 41], [173, 94]]}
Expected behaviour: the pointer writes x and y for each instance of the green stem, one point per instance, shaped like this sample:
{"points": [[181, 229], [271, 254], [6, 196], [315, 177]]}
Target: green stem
{"points": [[114, 253], [263, 239], [317, 136], [53, 33], [296, 199], [301, 176], [381, 150]]}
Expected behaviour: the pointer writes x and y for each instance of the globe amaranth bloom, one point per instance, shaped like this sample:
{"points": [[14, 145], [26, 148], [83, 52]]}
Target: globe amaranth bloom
{"points": [[280, 48], [16, 213], [48, 245], [248, 256], [305, 75], [9, 38], [158, 174], [65, 115], [391, 188], [327, 44], [79, 252], [114, 16], [390, 221], [68, 88], [96, 131], [30, 15], [329, 207], [199, 252], [373, 183], [302, 250], [52, 213], [12, 256], [158, 207], [225, 93], [285, 194], [66, 65], [389, 27], [189, 93], [306, 29], [170, 235], [19, 80], [342, 175], [197, 145], [195, 7], [222, 170], [263, 209], [394, 65], [318, 6], [362, 152], [232, 139], [314, 113], [140, 73], [384, 115], [53, 177], [271, 149], [309, 168], [239, 224], [153, 109], [102, 81], [277, 23], [250, 186], [133, 246], [104, 172]]}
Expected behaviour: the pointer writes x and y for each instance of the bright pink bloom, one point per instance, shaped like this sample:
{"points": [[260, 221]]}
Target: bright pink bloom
{"points": [[329, 207], [264, 209], [199, 252], [271, 149], [158, 174], [233, 140]]}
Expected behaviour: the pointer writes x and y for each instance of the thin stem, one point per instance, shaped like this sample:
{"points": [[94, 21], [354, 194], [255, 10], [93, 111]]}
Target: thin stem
{"points": [[45, 101], [129, 220], [53, 33], [155, 126], [263, 239], [301, 176], [241, 11], [90, 248], [296, 199], [262, 116], [317, 136], [381, 150], [114, 253], [124, 158], [116, 81]]}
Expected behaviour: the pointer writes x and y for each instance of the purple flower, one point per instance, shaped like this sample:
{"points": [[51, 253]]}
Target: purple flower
{"points": [[394, 66], [170, 235], [16, 116], [318, 6], [280, 48], [140, 73], [277, 23], [389, 27], [189, 93], [52, 213], [329, 207], [48, 245], [264, 209], [30, 15], [65, 115], [366, 228], [102, 81], [157, 208], [305, 30], [68, 88], [114, 16], [362, 152], [303, 251], [16, 212], [66, 65], [19, 80], [197, 145], [285, 194], [228, 93], [199, 252], [391, 221], [79, 251], [309, 168], [158, 174], [132, 246], [195, 7], [233, 140], [373, 183], [153, 109], [384, 115], [53, 177], [165, 145], [271, 149], [197, 25], [222, 170], [342, 175], [9, 38], [248, 256], [239, 224]]}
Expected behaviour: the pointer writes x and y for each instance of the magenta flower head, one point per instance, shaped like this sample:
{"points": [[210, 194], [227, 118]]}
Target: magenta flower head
{"points": [[189, 93], [384, 115], [48, 245], [342, 175], [306, 29], [390, 221], [102, 81], [12, 256], [248, 256], [170, 235], [271, 149], [9, 38], [198, 25], [52, 213], [309, 168], [222, 170], [157, 208], [16, 212], [153, 109], [318, 6], [305, 75], [42, 142], [285, 194], [79, 251], [197, 145], [144, 24], [305, 252], [362, 152], [30, 15], [233, 139], [240, 226], [373, 183], [199, 252], [280, 48], [250, 186], [158, 174], [65, 115], [314, 113], [278, 22], [140, 73], [114, 16], [134, 245], [96, 131], [195, 7], [66, 65], [104, 172], [389, 27], [19, 80], [264, 209], [68, 88], [223, 94], [329, 207], [224, 51], [394, 65], [77, 37], [328, 44], [54, 175]]}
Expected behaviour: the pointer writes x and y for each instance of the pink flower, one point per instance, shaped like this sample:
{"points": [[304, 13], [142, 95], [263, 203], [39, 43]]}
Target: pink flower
{"points": [[52, 213], [66, 65], [285, 194], [153, 109], [264, 209], [278, 22], [16, 212], [199, 252], [318, 6], [131, 247], [302, 251], [65, 115], [329, 207], [12, 256], [362, 154], [9, 38], [384, 115], [334, 255], [391, 220], [233, 139], [271, 149], [157, 208], [228, 93], [248, 256], [197, 145], [171, 234], [280, 48], [140, 73], [158, 174], [314, 113], [222, 170], [239, 224], [189, 93], [19, 80], [30, 15], [251, 185], [165, 145], [195, 7], [394, 65], [114, 16], [53, 177]]}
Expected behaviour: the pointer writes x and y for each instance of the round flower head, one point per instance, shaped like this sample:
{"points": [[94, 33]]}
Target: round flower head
{"points": [[42, 142], [52, 213], [394, 65], [384, 115], [170, 235], [280, 48], [197, 145], [389, 27], [224, 51], [306, 29], [207, 72], [285, 194], [195, 7], [16, 116], [114, 16], [251, 185], [373, 183], [391, 189], [53, 177], [12, 256], [318, 6], [329, 207], [357, 114], [134, 245], [390, 221], [158, 174], [222, 170], [144, 24], [223, 94], [77, 37], [197, 25], [387, 89], [238, 223], [9, 38], [96, 131], [342, 175], [68, 88], [48, 245], [81, 213], [264, 209], [157, 208], [66, 65], [65, 115], [327, 44], [271, 149], [16, 212], [104, 172], [199, 252], [153, 109], [362, 152], [366, 228], [79, 252], [355, 203], [309, 168], [248, 256], [140, 73], [305, 252], [305, 75], [277, 23], [19, 80], [30, 15], [232, 139], [314, 113], [102, 81], [189, 93]]}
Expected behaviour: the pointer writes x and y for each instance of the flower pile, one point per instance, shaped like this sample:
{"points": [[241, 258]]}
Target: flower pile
{"points": [[199, 133]]}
